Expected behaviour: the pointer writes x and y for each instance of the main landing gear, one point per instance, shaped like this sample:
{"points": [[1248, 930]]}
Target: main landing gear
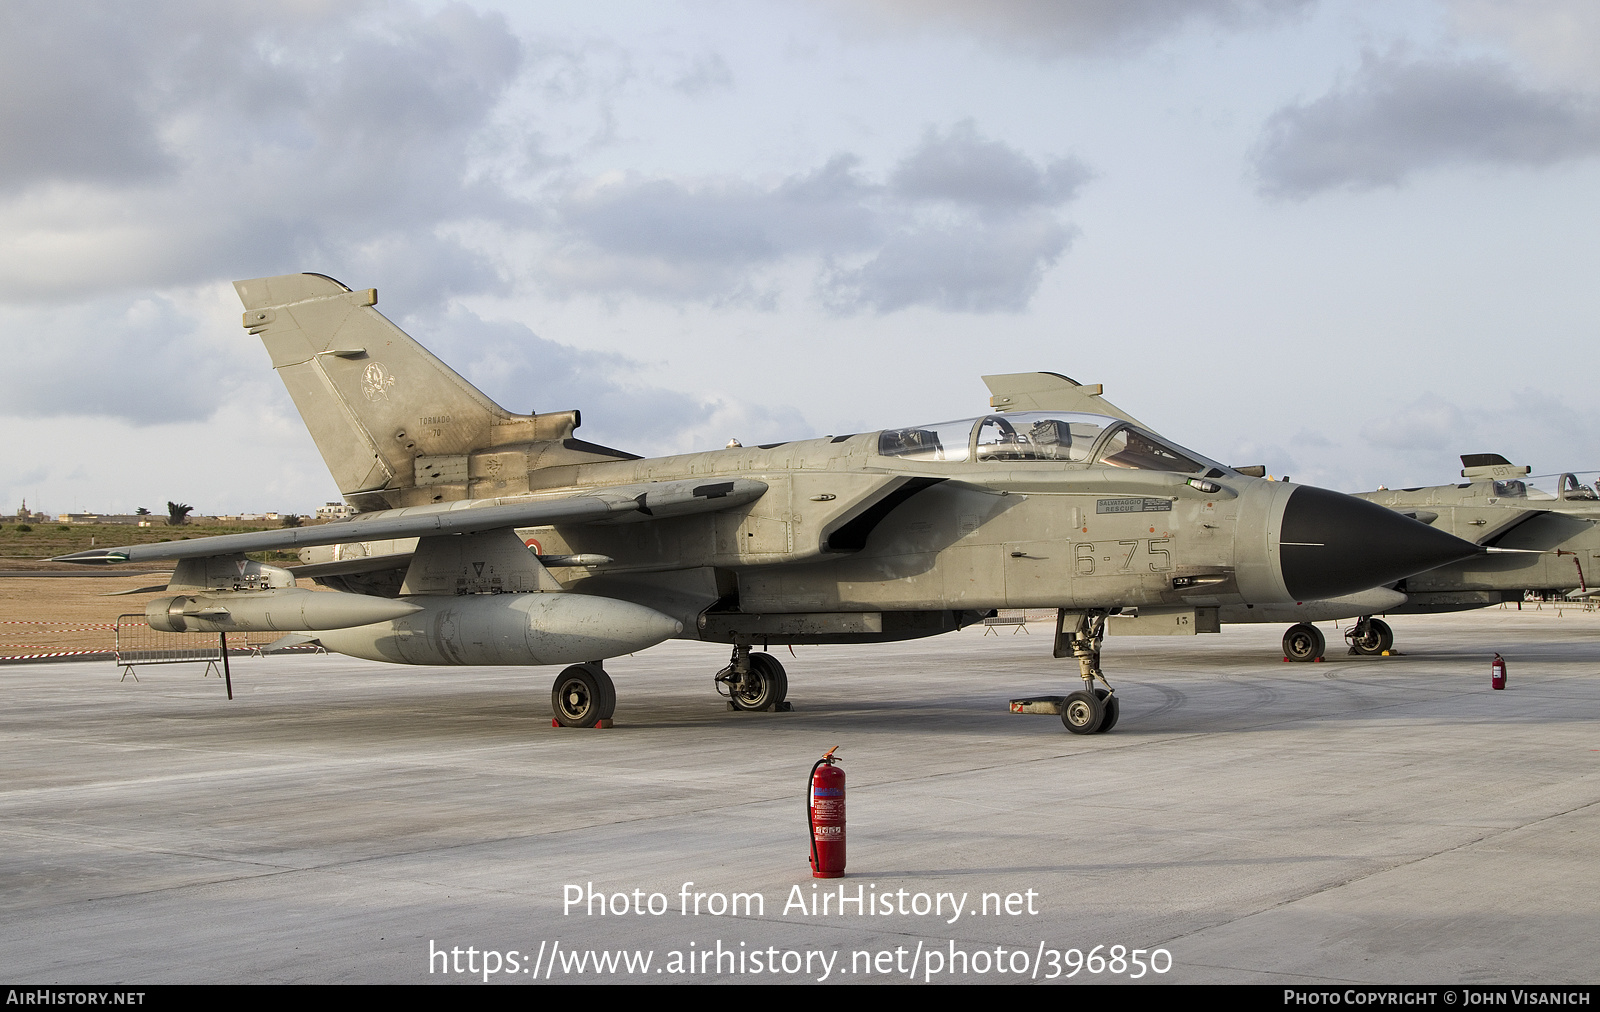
{"points": [[1304, 642], [1094, 708], [754, 681], [583, 696], [1371, 637]]}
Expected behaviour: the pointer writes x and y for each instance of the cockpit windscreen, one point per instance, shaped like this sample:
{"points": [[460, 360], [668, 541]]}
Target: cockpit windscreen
{"points": [[1134, 448], [1069, 437]]}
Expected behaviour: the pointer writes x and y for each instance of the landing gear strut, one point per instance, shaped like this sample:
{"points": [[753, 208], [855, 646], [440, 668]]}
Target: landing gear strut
{"points": [[755, 681], [1094, 708], [1370, 637]]}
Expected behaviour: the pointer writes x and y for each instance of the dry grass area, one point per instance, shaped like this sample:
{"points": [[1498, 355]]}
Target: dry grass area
{"points": [[46, 614], [40, 615], [30, 549]]}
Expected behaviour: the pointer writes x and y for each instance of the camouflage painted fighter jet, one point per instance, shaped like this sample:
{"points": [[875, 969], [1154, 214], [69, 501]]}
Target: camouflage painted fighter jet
{"points": [[1535, 541], [489, 537], [1531, 540]]}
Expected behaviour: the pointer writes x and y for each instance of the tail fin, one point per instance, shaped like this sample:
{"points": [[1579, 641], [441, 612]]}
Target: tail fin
{"points": [[384, 412]]}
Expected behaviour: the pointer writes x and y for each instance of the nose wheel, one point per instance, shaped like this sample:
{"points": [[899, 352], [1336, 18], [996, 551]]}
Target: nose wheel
{"points": [[1094, 708]]}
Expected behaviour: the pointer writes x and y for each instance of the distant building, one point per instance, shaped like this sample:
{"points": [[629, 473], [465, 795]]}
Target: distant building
{"points": [[24, 517], [131, 519], [272, 518]]}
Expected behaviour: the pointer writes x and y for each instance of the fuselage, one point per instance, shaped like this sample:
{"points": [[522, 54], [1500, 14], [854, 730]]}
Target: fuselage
{"points": [[968, 516]]}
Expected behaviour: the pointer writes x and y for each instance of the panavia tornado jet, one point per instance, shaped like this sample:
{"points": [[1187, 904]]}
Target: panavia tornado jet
{"points": [[1533, 540], [1529, 539], [488, 537]]}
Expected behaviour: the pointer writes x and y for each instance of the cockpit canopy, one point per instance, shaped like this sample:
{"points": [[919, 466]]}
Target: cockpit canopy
{"points": [[1516, 488], [1069, 437]]}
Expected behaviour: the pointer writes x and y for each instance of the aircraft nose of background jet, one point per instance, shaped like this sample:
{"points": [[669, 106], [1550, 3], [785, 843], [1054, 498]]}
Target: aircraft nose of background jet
{"points": [[1333, 544]]}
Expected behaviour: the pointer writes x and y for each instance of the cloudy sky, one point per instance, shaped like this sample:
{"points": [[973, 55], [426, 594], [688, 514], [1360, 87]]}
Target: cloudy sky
{"points": [[1346, 240]]}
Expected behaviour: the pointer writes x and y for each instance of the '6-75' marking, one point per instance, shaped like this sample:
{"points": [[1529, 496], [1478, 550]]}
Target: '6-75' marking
{"points": [[1109, 558]]}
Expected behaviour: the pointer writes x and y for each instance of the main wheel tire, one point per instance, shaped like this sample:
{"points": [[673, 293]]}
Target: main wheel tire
{"points": [[583, 696], [1372, 638], [1364, 640], [1112, 707], [1082, 713], [1303, 643], [766, 686], [1385, 635], [770, 666]]}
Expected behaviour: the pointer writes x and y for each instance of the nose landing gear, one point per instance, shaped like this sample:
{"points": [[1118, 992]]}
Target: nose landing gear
{"points": [[1094, 708]]}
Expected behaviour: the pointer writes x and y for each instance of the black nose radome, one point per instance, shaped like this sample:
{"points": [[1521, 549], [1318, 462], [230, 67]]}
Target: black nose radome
{"points": [[1335, 544]]}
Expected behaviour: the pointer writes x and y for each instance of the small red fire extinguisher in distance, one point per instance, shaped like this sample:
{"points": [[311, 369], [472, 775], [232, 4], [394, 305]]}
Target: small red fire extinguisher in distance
{"points": [[1497, 672], [825, 814]]}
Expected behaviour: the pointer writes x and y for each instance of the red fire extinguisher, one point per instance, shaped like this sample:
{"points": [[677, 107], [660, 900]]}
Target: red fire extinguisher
{"points": [[825, 814], [1497, 672]]}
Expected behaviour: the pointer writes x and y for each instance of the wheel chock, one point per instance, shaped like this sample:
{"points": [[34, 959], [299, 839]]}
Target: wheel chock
{"points": [[603, 722], [1039, 704]]}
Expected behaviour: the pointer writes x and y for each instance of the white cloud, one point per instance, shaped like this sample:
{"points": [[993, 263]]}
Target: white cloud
{"points": [[967, 267], [1054, 28], [964, 168], [255, 135], [1398, 116], [962, 223]]}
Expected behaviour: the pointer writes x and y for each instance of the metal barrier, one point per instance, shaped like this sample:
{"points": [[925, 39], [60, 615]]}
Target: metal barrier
{"points": [[1016, 618], [137, 643]]}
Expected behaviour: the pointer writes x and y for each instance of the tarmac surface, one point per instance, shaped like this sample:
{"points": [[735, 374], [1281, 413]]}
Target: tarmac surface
{"points": [[1363, 820]]}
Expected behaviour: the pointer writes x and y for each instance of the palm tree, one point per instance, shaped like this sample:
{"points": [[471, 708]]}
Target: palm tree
{"points": [[178, 514]]}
